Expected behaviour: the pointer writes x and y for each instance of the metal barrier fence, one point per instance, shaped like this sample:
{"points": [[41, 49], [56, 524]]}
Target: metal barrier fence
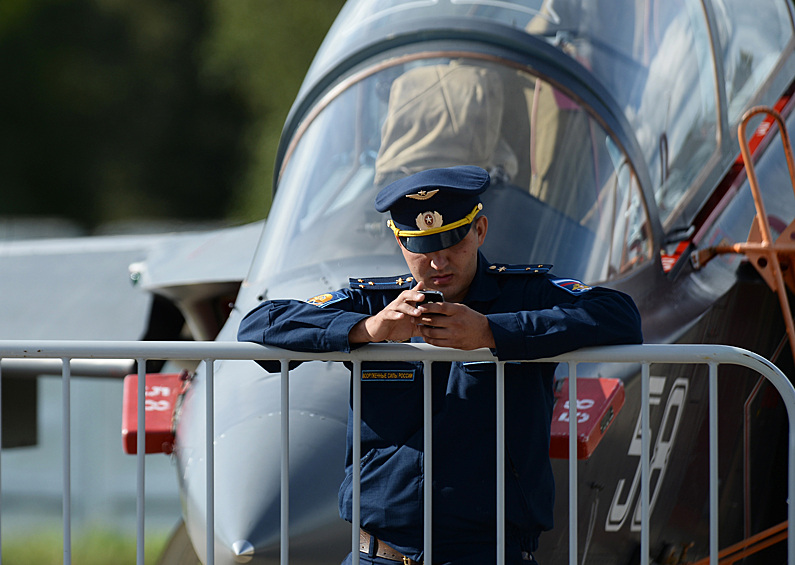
{"points": [[645, 355]]}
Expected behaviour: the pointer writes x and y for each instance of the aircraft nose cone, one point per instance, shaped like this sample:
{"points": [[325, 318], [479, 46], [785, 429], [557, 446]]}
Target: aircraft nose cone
{"points": [[248, 490], [243, 551]]}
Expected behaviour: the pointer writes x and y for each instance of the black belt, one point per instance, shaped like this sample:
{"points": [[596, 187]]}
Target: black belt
{"points": [[382, 549]]}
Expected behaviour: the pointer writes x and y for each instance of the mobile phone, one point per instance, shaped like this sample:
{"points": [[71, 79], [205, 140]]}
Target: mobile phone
{"points": [[431, 296]]}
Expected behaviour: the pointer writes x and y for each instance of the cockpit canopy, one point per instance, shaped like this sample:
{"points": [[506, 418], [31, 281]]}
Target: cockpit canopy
{"points": [[561, 189], [564, 188]]}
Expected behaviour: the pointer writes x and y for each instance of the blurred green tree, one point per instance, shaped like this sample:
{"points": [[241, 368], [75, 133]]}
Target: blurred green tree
{"points": [[117, 110], [263, 48]]}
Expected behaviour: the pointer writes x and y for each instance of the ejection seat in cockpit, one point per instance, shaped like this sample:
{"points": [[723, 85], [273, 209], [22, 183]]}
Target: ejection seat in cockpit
{"points": [[464, 114], [444, 116]]}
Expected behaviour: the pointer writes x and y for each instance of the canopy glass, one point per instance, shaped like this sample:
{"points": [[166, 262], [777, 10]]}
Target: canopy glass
{"points": [[656, 58], [562, 192]]}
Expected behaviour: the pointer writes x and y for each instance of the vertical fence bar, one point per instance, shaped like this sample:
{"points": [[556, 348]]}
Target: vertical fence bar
{"points": [[500, 463], [285, 441], [141, 467], [645, 441], [791, 489], [713, 462], [572, 463], [427, 438], [356, 459], [67, 461], [1, 482], [210, 441]]}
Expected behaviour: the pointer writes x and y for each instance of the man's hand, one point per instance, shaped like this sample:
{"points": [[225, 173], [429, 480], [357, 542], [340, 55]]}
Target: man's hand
{"points": [[397, 322], [448, 324]]}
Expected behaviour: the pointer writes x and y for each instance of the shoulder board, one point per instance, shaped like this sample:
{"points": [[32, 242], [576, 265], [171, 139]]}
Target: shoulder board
{"points": [[402, 282], [518, 269]]}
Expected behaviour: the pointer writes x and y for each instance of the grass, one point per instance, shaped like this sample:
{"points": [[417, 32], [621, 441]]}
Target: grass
{"points": [[98, 547]]}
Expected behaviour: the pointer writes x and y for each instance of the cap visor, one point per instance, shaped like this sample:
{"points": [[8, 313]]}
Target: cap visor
{"points": [[435, 242]]}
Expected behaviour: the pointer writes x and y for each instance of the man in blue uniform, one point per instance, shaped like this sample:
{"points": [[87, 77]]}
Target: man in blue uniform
{"points": [[519, 311]]}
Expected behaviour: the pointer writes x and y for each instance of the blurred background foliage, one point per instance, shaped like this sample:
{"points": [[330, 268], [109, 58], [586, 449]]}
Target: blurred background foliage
{"points": [[116, 110]]}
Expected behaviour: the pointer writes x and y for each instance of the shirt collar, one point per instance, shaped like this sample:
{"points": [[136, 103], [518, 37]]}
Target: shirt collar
{"points": [[484, 287]]}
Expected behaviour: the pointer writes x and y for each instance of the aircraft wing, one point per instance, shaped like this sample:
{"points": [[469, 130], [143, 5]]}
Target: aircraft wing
{"points": [[73, 288], [108, 288], [105, 287]]}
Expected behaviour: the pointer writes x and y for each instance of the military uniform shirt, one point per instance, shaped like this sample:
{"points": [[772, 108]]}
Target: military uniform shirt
{"points": [[532, 314]]}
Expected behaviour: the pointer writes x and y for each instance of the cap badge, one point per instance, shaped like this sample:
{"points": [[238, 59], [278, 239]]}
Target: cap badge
{"points": [[429, 220], [422, 194]]}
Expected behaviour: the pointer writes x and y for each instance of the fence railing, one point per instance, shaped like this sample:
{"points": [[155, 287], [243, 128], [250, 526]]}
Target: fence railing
{"points": [[208, 352]]}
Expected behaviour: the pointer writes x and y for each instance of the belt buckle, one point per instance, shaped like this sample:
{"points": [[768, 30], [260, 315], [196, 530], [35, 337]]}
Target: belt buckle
{"points": [[406, 560]]}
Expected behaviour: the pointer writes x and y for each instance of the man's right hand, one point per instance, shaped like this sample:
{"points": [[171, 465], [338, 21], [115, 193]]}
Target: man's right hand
{"points": [[396, 322]]}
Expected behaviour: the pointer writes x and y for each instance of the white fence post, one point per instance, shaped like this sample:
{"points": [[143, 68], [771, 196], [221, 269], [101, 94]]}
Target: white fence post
{"points": [[210, 463], [645, 442], [1, 466], [572, 463], [66, 391], [141, 462], [285, 469], [427, 436], [500, 462], [713, 461], [356, 382]]}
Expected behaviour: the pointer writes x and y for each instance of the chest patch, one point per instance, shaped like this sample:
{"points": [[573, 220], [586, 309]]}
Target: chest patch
{"points": [[572, 286], [388, 376], [323, 300]]}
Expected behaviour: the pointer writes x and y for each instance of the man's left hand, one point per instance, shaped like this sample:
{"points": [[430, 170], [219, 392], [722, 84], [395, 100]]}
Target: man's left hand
{"points": [[449, 324]]}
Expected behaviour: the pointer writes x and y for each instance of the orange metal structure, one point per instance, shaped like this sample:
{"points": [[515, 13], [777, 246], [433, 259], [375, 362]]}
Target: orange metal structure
{"points": [[752, 545], [773, 260]]}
